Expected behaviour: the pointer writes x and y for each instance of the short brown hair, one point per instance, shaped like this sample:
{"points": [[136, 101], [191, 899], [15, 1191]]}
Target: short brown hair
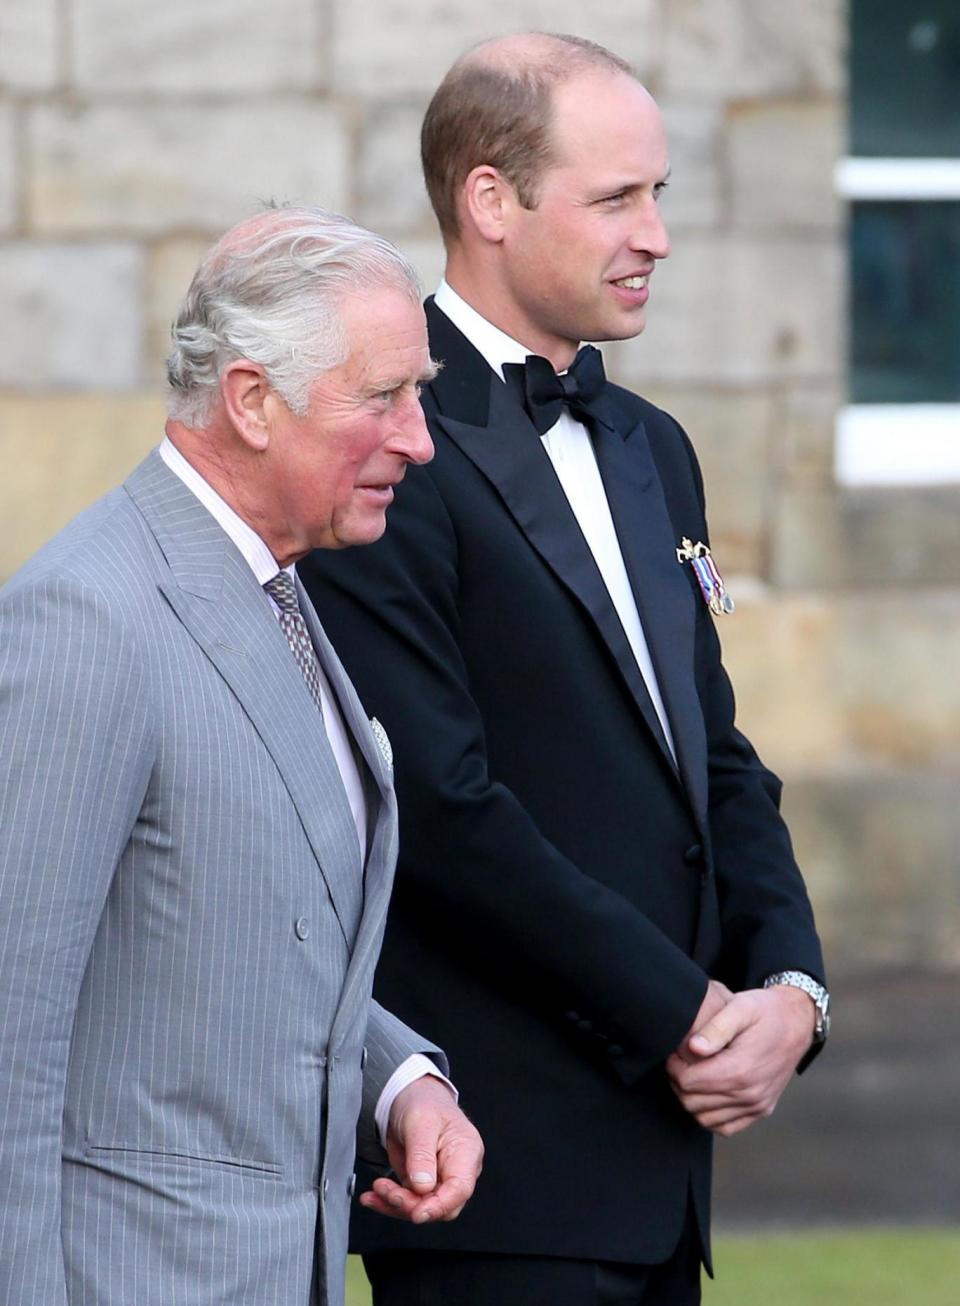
{"points": [[496, 109]]}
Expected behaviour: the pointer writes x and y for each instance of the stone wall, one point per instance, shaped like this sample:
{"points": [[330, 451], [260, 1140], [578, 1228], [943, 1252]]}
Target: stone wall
{"points": [[131, 133]]}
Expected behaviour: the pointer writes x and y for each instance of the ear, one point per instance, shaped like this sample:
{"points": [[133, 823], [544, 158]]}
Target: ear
{"points": [[487, 198], [246, 392]]}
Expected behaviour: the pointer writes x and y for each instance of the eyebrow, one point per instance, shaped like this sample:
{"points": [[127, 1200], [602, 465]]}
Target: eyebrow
{"points": [[615, 188], [386, 383]]}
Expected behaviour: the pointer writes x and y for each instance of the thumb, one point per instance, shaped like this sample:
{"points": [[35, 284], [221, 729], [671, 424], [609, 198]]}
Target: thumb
{"points": [[420, 1151], [719, 1032]]}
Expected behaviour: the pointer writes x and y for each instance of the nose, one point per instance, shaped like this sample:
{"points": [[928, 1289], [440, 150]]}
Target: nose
{"points": [[650, 234], [412, 439]]}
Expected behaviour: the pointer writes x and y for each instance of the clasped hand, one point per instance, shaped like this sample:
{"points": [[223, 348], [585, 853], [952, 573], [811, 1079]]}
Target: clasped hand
{"points": [[740, 1053], [436, 1155]]}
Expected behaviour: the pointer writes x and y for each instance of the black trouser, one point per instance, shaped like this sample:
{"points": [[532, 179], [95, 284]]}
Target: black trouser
{"points": [[474, 1279]]}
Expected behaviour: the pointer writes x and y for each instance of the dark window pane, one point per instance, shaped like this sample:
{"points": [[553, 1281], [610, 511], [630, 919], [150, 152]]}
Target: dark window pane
{"points": [[905, 78], [906, 303]]}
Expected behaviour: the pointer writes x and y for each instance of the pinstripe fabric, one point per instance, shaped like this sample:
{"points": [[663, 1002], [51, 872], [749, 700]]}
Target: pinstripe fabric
{"points": [[186, 948]]}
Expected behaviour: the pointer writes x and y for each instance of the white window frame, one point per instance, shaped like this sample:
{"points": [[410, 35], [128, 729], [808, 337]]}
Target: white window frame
{"points": [[897, 444]]}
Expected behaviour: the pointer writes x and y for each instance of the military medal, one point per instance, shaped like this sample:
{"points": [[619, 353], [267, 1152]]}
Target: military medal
{"points": [[708, 578]]}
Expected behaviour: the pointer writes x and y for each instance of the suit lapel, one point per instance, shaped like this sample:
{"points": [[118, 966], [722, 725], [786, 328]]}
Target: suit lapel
{"points": [[216, 597], [662, 593], [488, 426], [375, 777]]}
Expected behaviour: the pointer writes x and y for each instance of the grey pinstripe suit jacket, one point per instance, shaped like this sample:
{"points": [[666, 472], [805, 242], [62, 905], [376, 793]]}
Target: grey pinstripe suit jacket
{"points": [[187, 936]]}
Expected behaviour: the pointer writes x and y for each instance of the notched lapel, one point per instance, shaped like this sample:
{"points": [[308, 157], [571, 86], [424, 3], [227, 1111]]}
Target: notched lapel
{"points": [[214, 595], [257, 669]]}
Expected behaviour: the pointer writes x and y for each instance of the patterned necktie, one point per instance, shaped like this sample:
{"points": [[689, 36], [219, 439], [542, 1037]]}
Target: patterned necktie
{"points": [[543, 393], [283, 592]]}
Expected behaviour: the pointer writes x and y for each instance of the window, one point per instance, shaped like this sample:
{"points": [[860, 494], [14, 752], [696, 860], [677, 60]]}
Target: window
{"points": [[903, 180]]}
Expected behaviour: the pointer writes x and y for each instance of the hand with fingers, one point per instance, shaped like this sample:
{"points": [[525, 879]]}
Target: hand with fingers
{"points": [[715, 999], [732, 1067], [435, 1152]]}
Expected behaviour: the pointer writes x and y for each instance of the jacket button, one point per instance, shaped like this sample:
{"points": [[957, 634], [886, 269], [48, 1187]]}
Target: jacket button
{"points": [[572, 1016], [615, 1051], [694, 855], [301, 928], [585, 1025], [352, 1185]]}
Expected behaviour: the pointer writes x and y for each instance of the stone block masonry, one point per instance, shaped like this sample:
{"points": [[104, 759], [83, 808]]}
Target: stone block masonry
{"points": [[218, 47], [132, 133], [31, 36], [73, 315], [151, 168], [8, 169]]}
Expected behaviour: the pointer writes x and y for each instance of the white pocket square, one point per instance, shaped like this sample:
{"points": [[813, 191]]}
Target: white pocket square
{"points": [[383, 741]]}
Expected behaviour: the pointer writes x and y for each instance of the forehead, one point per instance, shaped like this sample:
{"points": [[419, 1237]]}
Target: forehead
{"points": [[386, 330], [606, 121]]}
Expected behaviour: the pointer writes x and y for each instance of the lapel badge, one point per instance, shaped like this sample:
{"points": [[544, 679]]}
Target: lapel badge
{"points": [[711, 584], [383, 741]]}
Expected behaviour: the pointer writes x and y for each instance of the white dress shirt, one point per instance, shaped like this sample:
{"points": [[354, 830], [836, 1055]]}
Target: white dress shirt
{"points": [[264, 566], [570, 450]]}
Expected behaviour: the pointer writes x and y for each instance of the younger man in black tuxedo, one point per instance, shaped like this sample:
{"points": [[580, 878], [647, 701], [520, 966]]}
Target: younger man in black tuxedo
{"points": [[627, 956]]}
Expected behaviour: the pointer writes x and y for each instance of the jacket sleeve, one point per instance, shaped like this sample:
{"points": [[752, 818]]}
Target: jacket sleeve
{"points": [[766, 921], [389, 1043], [468, 845], [75, 757]]}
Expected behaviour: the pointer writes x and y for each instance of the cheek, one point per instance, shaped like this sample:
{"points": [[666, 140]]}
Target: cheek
{"points": [[351, 448], [370, 440], [588, 252], [356, 465]]}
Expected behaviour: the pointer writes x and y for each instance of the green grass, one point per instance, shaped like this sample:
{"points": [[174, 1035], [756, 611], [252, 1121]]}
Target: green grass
{"points": [[358, 1290], [876, 1267]]}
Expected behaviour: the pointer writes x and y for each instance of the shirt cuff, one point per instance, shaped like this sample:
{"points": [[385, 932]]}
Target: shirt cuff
{"points": [[415, 1067]]}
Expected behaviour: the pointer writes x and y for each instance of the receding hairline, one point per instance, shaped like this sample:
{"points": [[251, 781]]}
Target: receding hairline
{"points": [[552, 55], [273, 290], [244, 236], [255, 236], [496, 106]]}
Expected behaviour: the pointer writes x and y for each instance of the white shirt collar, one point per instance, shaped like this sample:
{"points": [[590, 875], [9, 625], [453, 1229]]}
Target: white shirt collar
{"points": [[495, 345], [259, 558], [264, 566]]}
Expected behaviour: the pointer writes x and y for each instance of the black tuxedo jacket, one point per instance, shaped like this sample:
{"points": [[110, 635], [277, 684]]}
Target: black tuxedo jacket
{"points": [[564, 889]]}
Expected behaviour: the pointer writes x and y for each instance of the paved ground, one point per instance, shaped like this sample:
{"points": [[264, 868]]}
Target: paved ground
{"points": [[871, 1133]]}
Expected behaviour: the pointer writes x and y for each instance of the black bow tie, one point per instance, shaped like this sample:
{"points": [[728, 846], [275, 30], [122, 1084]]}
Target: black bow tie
{"points": [[543, 393]]}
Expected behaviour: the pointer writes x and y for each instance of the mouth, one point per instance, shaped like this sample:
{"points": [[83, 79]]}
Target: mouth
{"points": [[381, 493], [632, 282], [631, 292]]}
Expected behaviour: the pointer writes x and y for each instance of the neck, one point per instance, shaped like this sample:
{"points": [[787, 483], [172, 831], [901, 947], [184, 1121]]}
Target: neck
{"points": [[232, 473], [482, 290]]}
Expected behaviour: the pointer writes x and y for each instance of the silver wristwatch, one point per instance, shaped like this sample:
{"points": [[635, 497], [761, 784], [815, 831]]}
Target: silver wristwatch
{"points": [[798, 979]]}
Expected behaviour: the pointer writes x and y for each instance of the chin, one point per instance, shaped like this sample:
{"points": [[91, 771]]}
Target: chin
{"points": [[627, 328], [367, 533]]}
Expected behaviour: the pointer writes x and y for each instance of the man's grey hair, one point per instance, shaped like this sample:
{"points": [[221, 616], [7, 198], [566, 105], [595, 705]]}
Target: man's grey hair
{"points": [[270, 291]]}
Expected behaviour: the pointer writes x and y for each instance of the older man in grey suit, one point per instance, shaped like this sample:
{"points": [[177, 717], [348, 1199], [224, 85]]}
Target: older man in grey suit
{"points": [[197, 823]]}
